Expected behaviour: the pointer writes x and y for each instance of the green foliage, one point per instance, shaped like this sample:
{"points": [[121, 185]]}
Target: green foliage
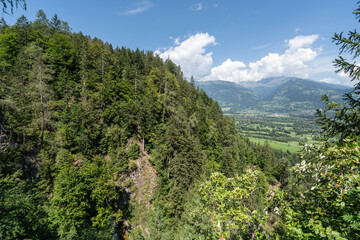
{"points": [[346, 118], [69, 106], [84, 197], [323, 197], [227, 202], [134, 151], [325, 203], [22, 213]]}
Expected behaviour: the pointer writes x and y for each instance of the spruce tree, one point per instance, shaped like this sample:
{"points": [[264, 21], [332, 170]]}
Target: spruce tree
{"points": [[346, 120]]}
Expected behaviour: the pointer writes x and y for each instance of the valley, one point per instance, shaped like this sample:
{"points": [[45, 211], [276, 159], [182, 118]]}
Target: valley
{"points": [[279, 110], [276, 95], [281, 131]]}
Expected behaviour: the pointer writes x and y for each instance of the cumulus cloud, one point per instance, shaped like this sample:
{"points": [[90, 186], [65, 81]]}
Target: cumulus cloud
{"points": [[293, 62], [227, 70], [191, 55], [301, 41], [194, 60], [141, 6]]}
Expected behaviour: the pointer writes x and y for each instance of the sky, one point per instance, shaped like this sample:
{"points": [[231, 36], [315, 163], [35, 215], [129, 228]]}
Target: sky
{"points": [[232, 40]]}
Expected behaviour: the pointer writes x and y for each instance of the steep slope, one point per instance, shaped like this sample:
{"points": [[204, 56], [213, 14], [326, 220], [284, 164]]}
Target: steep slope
{"points": [[92, 133]]}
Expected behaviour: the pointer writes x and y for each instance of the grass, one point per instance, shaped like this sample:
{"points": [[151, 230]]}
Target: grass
{"points": [[293, 147], [281, 131]]}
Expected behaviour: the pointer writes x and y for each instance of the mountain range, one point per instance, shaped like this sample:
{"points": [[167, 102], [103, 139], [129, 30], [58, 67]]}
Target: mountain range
{"points": [[276, 94]]}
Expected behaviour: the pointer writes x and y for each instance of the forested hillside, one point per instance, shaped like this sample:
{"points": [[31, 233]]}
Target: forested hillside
{"points": [[103, 142], [98, 142]]}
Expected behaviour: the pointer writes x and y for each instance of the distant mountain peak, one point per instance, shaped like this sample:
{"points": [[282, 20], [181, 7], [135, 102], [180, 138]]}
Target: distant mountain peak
{"points": [[281, 94]]}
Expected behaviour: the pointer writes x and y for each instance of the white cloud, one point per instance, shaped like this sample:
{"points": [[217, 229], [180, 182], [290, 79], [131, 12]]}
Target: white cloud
{"points": [[191, 55], [293, 63], [141, 6], [177, 41], [301, 41], [346, 82], [330, 80], [226, 71], [343, 75]]}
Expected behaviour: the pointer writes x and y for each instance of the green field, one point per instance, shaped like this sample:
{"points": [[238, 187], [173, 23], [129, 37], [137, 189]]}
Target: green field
{"points": [[292, 147], [281, 131]]}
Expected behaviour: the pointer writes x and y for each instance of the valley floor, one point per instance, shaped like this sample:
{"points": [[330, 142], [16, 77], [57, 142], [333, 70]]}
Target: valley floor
{"points": [[281, 131]]}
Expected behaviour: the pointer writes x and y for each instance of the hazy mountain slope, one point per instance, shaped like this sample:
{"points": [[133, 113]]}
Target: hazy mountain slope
{"points": [[230, 95], [277, 94], [265, 86], [299, 94]]}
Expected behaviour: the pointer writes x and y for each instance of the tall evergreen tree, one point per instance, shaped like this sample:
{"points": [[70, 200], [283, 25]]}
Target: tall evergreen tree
{"points": [[346, 120]]}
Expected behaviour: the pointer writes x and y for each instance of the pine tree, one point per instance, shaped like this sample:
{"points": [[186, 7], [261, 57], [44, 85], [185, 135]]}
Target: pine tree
{"points": [[346, 121], [40, 74], [10, 4]]}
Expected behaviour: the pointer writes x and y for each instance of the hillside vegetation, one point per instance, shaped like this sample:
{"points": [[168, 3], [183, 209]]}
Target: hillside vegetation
{"points": [[98, 142]]}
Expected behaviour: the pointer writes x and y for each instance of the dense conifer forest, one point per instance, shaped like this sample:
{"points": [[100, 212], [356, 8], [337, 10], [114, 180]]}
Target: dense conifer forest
{"points": [[104, 142]]}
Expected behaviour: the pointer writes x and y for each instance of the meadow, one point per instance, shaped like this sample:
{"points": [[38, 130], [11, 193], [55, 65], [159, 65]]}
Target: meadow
{"points": [[281, 131]]}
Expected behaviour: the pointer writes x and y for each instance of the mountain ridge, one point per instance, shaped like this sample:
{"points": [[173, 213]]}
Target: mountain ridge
{"points": [[275, 94]]}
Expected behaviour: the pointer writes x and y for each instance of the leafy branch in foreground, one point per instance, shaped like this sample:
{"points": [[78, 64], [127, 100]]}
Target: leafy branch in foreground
{"points": [[226, 202], [327, 202], [345, 120], [11, 4]]}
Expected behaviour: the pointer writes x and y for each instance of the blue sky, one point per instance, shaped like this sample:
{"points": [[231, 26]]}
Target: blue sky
{"points": [[234, 40]]}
